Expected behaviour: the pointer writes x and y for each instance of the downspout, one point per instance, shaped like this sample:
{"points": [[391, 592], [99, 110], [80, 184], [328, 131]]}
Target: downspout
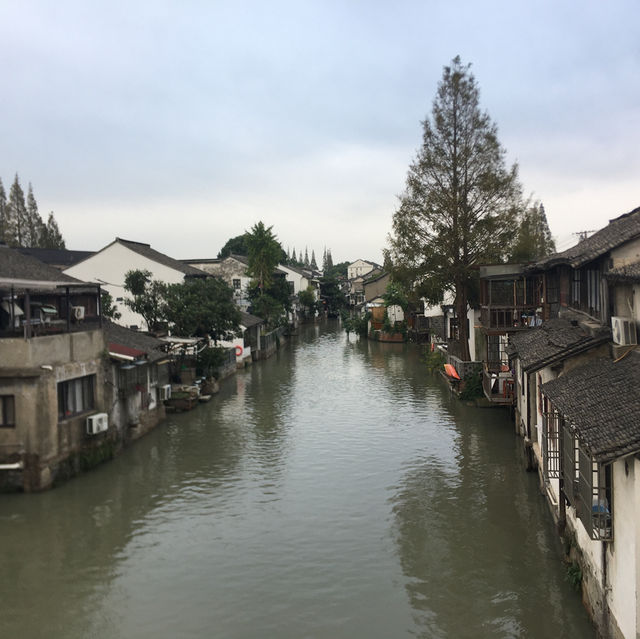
{"points": [[12, 309], [99, 301], [27, 310], [605, 590]]}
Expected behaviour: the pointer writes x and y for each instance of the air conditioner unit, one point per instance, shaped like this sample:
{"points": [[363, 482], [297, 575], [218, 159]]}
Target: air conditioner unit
{"points": [[97, 423], [624, 331], [78, 312], [164, 392]]}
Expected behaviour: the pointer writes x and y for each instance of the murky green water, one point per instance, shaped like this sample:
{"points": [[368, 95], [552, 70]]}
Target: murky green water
{"points": [[333, 491]]}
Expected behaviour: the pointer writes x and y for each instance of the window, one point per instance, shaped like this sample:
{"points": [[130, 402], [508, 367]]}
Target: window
{"points": [[237, 284], [594, 506], [551, 426], [7, 411], [76, 396]]}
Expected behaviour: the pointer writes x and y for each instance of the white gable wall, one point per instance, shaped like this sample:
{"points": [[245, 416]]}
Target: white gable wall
{"points": [[300, 282], [109, 267], [357, 268]]}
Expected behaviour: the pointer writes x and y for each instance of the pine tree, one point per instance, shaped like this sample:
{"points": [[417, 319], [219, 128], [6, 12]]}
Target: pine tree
{"points": [[34, 224], [16, 215], [306, 257], [533, 239], [459, 206], [329, 260], [51, 236], [313, 264], [3, 213], [294, 259]]}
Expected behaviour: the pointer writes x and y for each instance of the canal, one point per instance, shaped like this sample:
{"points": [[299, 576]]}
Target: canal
{"points": [[335, 490]]}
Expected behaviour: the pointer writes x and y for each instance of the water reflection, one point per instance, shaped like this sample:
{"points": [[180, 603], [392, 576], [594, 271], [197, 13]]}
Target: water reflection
{"points": [[335, 490]]}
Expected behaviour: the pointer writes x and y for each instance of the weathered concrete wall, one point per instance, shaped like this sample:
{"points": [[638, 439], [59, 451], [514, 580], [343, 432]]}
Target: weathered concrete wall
{"points": [[54, 449], [51, 350]]}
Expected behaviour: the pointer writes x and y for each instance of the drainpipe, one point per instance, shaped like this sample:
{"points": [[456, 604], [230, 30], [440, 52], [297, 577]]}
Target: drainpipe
{"points": [[27, 310], [99, 303], [605, 590]]}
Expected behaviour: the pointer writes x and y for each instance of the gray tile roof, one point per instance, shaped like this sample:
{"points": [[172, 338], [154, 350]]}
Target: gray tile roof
{"points": [[554, 340], [146, 251], [602, 402], [619, 230], [16, 266], [116, 334], [247, 320], [60, 258], [629, 273]]}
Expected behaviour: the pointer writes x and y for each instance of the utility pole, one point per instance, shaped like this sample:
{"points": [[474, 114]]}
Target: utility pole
{"points": [[582, 235]]}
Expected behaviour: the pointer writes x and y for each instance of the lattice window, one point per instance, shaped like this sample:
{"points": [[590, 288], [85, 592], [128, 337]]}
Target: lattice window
{"points": [[593, 505], [569, 463], [551, 423]]}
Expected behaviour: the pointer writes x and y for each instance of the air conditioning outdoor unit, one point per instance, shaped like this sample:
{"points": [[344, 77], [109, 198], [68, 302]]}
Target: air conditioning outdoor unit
{"points": [[624, 331], [164, 392], [97, 423], [78, 312]]}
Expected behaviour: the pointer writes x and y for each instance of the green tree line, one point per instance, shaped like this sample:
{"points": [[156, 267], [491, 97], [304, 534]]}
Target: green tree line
{"points": [[21, 223]]}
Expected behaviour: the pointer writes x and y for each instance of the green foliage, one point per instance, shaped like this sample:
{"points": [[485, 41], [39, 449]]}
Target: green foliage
{"points": [[209, 361], [109, 310], [269, 309], [472, 387], [236, 245], [20, 221], [347, 322], [148, 297], [533, 239], [574, 575], [460, 202], [395, 296], [331, 293], [361, 324], [201, 307], [434, 360], [307, 299], [272, 303], [387, 327], [264, 253], [337, 271], [51, 236]]}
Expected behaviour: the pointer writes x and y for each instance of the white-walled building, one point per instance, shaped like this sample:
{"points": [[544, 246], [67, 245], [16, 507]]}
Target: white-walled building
{"points": [[592, 446], [231, 269], [359, 268], [109, 266]]}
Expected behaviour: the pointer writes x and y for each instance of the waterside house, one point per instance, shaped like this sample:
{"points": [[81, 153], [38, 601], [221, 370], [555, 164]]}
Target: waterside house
{"points": [[51, 372], [573, 375], [110, 265]]}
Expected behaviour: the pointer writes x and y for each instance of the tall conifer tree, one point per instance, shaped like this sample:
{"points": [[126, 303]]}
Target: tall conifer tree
{"points": [[16, 215], [34, 225], [460, 202], [3, 213]]}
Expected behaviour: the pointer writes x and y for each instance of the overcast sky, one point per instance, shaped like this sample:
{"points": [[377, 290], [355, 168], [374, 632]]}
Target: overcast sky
{"points": [[184, 123]]}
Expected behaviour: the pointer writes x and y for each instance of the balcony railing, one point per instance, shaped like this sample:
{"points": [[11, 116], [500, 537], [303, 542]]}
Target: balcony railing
{"points": [[511, 318], [499, 388]]}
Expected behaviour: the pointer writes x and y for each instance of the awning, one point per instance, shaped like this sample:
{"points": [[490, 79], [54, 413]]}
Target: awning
{"points": [[16, 309], [124, 353]]}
